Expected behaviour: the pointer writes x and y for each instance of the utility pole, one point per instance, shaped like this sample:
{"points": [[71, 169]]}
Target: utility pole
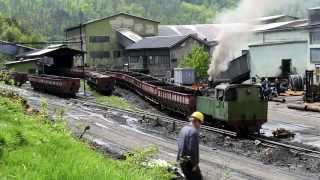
{"points": [[83, 64]]}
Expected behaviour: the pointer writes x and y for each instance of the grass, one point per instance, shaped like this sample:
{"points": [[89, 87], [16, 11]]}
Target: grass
{"points": [[114, 101], [33, 148]]}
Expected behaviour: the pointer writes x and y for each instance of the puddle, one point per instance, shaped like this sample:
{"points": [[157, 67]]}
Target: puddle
{"points": [[301, 135]]}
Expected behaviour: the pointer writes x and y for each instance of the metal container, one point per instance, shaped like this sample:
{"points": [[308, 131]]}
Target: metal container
{"points": [[184, 76]]}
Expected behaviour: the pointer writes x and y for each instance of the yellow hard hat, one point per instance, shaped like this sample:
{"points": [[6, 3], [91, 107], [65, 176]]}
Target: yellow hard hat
{"points": [[198, 115]]}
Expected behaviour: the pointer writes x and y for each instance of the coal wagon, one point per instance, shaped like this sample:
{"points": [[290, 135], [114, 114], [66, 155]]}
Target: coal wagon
{"points": [[58, 85], [100, 82], [170, 97]]}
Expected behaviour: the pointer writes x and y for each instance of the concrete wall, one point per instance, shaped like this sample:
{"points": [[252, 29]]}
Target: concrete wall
{"points": [[279, 36], [140, 26], [268, 49], [266, 59]]}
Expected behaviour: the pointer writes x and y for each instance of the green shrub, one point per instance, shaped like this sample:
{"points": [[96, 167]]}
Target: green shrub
{"points": [[35, 149]]}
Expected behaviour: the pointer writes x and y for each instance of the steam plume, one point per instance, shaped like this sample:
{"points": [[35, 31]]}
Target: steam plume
{"points": [[236, 28]]}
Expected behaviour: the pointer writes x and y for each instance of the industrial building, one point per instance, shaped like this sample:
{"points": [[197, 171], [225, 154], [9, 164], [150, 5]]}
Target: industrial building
{"points": [[11, 50], [105, 39], [124, 39], [280, 49], [280, 45], [159, 55], [48, 60]]}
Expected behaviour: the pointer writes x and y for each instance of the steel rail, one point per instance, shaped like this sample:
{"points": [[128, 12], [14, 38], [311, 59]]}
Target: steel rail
{"points": [[293, 147], [138, 112]]}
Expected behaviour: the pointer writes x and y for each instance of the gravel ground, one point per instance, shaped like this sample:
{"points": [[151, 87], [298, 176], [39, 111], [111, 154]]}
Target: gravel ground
{"points": [[221, 156], [276, 156]]}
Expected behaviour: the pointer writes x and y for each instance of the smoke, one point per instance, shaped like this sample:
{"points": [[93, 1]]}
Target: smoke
{"points": [[235, 30]]}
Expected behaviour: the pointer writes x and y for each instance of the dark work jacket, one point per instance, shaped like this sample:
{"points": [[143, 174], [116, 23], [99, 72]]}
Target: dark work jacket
{"points": [[188, 144]]}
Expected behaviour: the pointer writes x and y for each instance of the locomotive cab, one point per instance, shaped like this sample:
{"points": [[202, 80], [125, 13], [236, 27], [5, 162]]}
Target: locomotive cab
{"points": [[240, 108]]}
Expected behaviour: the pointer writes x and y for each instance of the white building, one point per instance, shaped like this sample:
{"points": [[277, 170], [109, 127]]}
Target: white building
{"points": [[281, 45]]}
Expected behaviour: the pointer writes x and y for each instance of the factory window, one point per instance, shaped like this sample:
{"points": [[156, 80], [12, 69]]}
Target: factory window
{"points": [[220, 94], [315, 37], [163, 60], [99, 39], [174, 60], [100, 54], [134, 59], [231, 95], [116, 54], [315, 55], [152, 60]]}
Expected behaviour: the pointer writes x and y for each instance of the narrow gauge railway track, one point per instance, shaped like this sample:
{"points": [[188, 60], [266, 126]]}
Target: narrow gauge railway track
{"points": [[264, 140], [145, 114]]}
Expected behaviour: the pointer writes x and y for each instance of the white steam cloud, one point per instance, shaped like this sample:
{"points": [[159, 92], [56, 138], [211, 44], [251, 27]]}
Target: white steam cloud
{"points": [[236, 28]]}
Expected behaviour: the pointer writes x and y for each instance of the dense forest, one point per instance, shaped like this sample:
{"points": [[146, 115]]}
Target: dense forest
{"points": [[11, 31], [50, 17]]}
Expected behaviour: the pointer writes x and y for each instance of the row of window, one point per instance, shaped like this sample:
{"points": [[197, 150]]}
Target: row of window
{"points": [[99, 39], [315, 55], [104, 54], [315, 37], [152, 60]]}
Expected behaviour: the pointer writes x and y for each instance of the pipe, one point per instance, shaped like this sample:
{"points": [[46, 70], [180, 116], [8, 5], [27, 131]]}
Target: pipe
{"points": [[304, 107], [277, 100]]}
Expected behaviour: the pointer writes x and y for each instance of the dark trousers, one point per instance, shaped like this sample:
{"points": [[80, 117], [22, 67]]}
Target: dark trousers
{"points": [[186, 168]]}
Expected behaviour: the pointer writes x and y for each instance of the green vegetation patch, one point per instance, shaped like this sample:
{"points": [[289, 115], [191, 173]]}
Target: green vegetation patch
{"points": [[34, 148], [114, 101]]}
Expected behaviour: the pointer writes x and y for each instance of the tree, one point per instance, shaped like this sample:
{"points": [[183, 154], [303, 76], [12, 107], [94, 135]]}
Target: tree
{"points": [[197, 59]]}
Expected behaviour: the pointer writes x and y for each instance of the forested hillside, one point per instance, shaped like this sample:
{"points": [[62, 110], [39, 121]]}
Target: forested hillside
{"points": [[51, 17], [11, 31]]}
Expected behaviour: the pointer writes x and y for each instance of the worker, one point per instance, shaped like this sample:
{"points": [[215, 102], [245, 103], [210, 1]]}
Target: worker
{"points": [[188, 147]]}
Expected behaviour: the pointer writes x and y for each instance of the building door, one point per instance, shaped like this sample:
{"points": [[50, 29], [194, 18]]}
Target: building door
{"points": [[286, 67], [145, 62]]}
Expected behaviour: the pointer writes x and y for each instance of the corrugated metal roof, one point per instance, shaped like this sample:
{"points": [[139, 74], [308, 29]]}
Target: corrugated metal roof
{"points": [[211, 31], [281, 25], [275, 17], [114, 15], [50, 52], [157, 42], [207, 32], [22, 61], [130, 35]]}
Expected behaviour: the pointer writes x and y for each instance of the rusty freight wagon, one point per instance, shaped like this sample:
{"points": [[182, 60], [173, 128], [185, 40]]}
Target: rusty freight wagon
{"points": [[61, 86], [173, 98], [100, 82]]}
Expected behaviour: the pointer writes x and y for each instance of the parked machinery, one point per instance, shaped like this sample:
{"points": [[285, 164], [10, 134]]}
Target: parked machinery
{"points": [[62, 86], [312, 93], [240, 108], [237, 107], [101, 83]]}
